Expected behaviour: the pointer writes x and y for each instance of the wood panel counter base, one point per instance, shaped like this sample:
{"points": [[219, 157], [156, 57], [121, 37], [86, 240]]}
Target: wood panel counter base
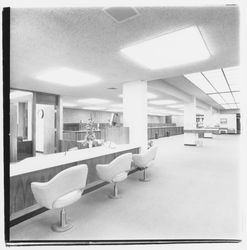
{"points": [[15, 220]]}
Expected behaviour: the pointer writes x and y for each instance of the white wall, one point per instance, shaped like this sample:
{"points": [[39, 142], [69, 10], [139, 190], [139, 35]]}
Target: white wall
{"points": [[231, 121], [75, 115], [71, 115], [178, 119]]}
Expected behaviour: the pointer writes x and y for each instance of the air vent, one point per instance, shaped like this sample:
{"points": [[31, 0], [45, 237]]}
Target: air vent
{"points": [[112, 88], [121, 14]]}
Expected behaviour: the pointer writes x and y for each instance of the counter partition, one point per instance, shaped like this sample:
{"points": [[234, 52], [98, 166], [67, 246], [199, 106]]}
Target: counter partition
{"points": [[43, 168]]}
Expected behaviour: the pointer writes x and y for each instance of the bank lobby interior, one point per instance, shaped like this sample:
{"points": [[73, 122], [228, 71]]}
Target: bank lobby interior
{"points": [[125, 124]]}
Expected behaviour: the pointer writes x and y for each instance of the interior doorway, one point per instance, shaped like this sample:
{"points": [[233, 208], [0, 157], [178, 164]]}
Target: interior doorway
{"points": [[45, 129]]}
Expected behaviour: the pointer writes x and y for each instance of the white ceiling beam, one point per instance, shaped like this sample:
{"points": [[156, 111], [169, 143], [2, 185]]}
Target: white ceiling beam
{"points": [[165, 87]]}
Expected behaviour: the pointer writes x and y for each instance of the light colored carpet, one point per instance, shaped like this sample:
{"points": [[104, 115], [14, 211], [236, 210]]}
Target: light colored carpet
{"points": [[193, 193]]}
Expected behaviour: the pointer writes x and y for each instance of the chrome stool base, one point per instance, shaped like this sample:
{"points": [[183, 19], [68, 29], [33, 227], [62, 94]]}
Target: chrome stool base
{"points": [[115, 194], [63, 224], [59, 228], [144, 179]]}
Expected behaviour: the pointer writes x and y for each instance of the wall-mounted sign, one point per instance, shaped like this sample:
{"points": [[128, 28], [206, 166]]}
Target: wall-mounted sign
{"points": [[223, 121]]}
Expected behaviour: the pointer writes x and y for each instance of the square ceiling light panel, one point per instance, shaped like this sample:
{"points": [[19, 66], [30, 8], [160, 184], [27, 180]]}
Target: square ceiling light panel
{"points": [[94, 101], [121, 14], [233, 77], [201, 82], [94, 108], [236, 96], [217, 79], [217, 98], [68, 77], [228, 97], [149, 95], [162, 102], [179, 106], [225, 106], [169, 50]]}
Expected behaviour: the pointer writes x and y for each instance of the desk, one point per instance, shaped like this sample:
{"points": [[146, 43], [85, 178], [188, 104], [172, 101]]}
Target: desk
{"points": [[43, 168], [191, 135]]}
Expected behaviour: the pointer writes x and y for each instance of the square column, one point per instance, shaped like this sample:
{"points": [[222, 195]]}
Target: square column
{"points": [[190, 133], [135, 112], [208, 122], [208, 118]]}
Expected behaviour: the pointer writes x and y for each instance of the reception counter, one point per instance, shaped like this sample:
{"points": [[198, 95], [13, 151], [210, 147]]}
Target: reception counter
{"points": [[43, 168], [191, 135]]}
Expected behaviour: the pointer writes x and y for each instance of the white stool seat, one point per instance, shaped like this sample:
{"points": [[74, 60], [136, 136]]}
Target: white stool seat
{"points": [[145, 160], [115, 171], [120, 177], [67, 199], [62, 190]]}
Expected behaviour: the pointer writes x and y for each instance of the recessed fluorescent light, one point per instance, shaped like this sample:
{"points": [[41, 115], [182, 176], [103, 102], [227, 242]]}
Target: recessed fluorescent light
{"points": [[162, 102], [176, 48], [68, 77], [149, 96], [17, 94], [233, 77], [225, 106], [217, 98], [233, 106], [227, 97], [199, 80], [117, 105], [114, 110], [236, 96], [94, 108], [217, 79], [69, 104], [94, 101], [176, 106]]}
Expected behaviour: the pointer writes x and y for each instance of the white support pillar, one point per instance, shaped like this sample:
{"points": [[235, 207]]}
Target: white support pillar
{"points": [[135, 112], [60, 117], [208, 117], [190, 114], [29, 120], [190, 137]]}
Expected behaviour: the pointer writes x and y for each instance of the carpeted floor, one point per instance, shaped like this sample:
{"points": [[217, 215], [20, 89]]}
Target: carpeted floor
{"points": [[193, 193]]}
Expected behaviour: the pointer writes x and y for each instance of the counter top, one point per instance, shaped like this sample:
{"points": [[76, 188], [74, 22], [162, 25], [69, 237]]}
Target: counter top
{"points": [[167, 127], [37, 163], [195, 130], [79, 131]]}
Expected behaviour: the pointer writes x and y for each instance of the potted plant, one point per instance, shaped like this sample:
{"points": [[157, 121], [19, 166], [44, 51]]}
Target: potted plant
{"points": [[90, 134]]}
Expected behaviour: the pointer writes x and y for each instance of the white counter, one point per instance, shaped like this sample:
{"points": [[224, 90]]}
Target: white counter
{"points": [[36, 163]]}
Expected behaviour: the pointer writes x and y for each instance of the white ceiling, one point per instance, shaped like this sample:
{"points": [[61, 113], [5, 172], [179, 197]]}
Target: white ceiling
{"points": [[87, 39]]}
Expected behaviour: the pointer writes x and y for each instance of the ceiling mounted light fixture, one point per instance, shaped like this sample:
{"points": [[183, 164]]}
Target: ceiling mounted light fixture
{"points": [[68, 77], [162, 102], [94, 101], [169, 50], [201, 82], [94, 108], [149, 95], [65, 104]]}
